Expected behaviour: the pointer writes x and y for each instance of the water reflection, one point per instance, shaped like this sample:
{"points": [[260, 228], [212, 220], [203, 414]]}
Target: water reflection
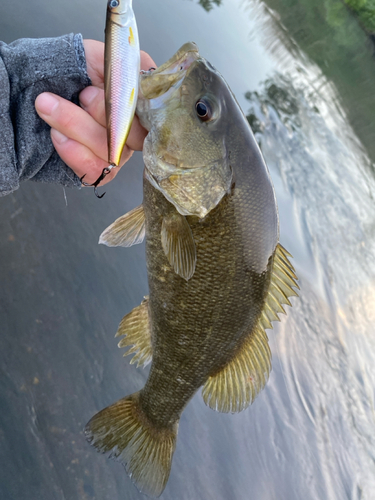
{"points": [[326, 350], [325, 33], [209, 4], [276, 94]]}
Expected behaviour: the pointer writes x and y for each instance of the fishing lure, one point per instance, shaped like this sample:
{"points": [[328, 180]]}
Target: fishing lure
{"points": [[121, 78]]}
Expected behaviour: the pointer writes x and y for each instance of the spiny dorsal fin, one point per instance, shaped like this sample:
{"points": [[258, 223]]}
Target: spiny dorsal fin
{"points": [[126, 231], [236, 386], [136, 328], [178, 245], [123, 432]]}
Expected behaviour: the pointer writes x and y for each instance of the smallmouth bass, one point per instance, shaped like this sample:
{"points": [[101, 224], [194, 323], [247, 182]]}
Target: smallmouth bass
{"points": [[217, 274]]}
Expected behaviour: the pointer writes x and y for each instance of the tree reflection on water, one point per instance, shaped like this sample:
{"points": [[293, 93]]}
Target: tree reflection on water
{"points": [[209, 4], [325, 33]]}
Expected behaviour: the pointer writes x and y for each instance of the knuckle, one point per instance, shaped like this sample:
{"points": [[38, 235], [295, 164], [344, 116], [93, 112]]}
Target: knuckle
{"points": [[68, 120]]}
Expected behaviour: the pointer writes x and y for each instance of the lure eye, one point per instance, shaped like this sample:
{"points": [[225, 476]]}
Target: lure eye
{"points": [[114, 3], [203, 110]]}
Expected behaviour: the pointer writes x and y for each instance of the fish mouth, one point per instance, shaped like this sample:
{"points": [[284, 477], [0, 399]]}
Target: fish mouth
{"points": [[188, 49], [155, 83]]}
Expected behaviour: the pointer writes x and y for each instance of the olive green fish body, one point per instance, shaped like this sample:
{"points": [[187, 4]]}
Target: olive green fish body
{"points": [[216, 272], [198, 325]]}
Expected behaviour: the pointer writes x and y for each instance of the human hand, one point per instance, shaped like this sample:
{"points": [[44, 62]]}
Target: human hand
{"points": [[79, 134]]}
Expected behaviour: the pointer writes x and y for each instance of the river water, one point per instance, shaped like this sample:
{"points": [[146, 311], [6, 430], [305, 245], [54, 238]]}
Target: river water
{"points": [[304, 75]]}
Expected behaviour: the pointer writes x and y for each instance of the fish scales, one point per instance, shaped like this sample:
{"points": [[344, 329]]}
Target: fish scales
{"points": [[216, 272], [197, 325]]}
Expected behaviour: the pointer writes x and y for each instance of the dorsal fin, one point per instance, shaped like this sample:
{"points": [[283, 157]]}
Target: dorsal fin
{"points": [[126, 231], [236, 386], [136, 328]]}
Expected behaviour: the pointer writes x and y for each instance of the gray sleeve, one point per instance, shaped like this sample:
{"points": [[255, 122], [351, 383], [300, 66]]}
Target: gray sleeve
{"points": [[29, 67]]}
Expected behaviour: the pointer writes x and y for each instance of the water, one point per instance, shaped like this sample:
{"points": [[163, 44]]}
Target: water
{"points": [[310, 433]]}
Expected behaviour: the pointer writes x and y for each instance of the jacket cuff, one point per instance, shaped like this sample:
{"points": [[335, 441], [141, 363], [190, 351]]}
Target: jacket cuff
{"points": [[34, 66]]}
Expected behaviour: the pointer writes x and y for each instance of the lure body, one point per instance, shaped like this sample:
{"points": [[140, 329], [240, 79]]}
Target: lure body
{"points": [[121, 74]]}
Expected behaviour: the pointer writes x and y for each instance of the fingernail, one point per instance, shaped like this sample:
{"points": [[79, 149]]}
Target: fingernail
{"points": [[58, 136], [88, 95], [46, 103]]}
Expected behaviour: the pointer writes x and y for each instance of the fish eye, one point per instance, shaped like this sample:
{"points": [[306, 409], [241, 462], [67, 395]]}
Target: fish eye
{"points": [[114, 3], [203, 110]]}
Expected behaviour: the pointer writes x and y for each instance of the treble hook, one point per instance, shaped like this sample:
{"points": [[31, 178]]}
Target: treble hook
{"points": [[95, 184]]}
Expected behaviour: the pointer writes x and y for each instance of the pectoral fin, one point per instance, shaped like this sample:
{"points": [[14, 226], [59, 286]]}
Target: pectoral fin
{"points": [[136, 328], [178, 245], [236, 386], [126, 231]]}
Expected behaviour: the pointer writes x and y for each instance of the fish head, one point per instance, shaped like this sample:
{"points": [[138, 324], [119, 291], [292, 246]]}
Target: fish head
{"points": [[183, 106]]}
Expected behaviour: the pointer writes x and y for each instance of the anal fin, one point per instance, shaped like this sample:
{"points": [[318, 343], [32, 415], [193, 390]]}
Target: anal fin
{"points": [[126, 231], [236, 386], [135, 327]]}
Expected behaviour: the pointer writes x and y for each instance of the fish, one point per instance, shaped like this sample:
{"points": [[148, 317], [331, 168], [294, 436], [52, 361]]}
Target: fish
{"points": [[218, 276], [121, 75]]}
